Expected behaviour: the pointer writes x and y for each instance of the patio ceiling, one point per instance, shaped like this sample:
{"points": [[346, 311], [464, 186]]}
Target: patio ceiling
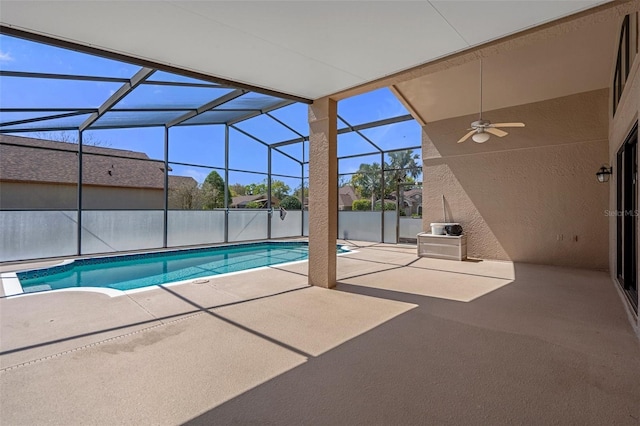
{"points": [[575, 62], [302, 49]]}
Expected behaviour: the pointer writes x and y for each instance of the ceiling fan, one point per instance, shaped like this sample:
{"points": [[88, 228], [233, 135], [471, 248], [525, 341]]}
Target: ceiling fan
{"points": [[482, 130]]}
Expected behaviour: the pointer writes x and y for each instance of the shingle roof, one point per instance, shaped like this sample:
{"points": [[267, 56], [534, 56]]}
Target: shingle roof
{"points": [[182, 181], [409, 193], [241, 201], [345, 200], [244, 199], [413, 192], [22, 161], [346, 195]]}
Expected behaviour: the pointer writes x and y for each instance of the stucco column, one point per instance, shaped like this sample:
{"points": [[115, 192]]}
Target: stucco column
{"points": [[323, 192]]}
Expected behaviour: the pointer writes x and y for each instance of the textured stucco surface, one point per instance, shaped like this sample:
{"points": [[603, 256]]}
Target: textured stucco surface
{"points": [[323, 192], [527, 196], [627, 114]]}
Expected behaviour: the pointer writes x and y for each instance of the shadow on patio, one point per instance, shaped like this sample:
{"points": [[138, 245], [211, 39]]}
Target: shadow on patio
{"points": [[400, 341], [552, 345]]}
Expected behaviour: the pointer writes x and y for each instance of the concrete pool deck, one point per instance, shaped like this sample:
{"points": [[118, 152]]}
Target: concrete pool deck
{"points": [[401, 340]]}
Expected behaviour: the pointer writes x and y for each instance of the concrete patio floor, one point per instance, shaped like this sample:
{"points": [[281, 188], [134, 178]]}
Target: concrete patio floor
{"points": [[401, 340]]}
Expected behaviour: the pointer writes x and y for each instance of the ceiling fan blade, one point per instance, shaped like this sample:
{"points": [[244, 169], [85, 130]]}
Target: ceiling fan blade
{"points": [[467, 136], [507, 125], [497, 132]]}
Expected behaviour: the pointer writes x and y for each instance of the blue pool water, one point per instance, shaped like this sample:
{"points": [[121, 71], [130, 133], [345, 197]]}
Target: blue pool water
{"points": [[128, 272]]}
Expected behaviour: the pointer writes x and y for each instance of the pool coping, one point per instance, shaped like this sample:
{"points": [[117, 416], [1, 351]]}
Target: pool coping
{"points": [[12, 288]]}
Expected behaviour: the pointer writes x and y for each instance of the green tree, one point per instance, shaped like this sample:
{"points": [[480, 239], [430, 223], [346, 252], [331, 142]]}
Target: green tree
{"points": [[402, 167], [279, 189], [366, 181], [185, 196], [301, 190], [237, 189], [361, 205], [255, 189], [213, 192], [290, 203], [388, 205], [253, 205]]}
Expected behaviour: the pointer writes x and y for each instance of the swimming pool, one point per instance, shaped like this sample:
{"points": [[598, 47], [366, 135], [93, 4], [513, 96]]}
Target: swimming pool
{"points": [[128, 272]]}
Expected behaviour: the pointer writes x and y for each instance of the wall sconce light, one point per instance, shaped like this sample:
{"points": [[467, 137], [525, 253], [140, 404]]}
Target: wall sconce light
{"points": [[604, 173]]}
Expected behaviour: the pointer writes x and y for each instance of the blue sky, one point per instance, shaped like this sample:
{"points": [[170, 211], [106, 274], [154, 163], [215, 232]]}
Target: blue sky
{"points": [[200, 146]]}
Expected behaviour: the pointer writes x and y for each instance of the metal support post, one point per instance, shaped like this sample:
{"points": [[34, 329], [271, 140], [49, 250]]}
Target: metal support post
{"points": [[79, 222], [269, 207], [382, 188], [166, 189], [226, 183]]}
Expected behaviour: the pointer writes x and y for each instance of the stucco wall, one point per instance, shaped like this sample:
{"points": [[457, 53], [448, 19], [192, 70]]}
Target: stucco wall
{"points": [[122, 198], [15, 195], [627, 114], [527, 196], [323, 190], [25, 196]]}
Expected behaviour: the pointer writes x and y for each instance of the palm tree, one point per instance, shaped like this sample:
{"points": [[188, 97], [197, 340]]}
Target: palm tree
{"points": [[404, 162], [367, 181], [402, 165]]}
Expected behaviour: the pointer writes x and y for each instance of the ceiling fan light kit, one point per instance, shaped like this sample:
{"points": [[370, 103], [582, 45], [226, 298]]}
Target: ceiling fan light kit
{"points": [[480, 137], [481, 130]]}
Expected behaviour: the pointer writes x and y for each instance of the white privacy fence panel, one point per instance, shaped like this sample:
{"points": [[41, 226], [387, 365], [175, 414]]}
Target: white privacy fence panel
{"points": [[410, 227], [290, 226], [363, 226], [37, 234], [190, 227], [120, 230], [390, 232], [247, 225], [42, 234]]}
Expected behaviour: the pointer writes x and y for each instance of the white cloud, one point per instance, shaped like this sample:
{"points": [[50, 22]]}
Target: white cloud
{"points": [[196, 174], [5, 56]]}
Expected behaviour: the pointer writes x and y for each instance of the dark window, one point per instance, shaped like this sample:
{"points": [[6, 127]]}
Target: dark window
{"points": [[627, 217], [627, 50]]}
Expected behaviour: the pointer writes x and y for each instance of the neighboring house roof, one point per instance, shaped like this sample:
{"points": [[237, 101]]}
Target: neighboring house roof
{"points": [[346, 196], [344, 200], [21, 161], [243, 200], [182, 181], [408, 202], [415, 194]]}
